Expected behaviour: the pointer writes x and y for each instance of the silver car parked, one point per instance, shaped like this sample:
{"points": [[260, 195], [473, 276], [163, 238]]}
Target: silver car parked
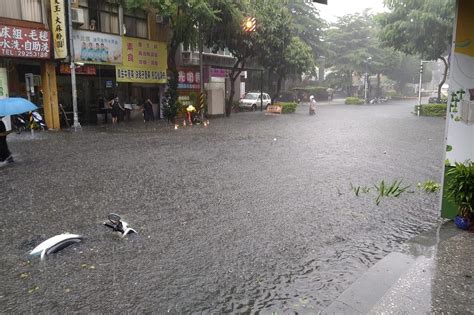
{"points": [[252, 101]]}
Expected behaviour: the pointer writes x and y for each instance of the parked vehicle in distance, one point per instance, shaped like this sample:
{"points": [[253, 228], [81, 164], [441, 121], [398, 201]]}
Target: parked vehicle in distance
{"points": [[286, 97], [252, 101]]}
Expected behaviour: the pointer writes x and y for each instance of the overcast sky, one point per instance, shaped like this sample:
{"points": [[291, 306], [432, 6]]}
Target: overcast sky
{"points": [[337, 8]]}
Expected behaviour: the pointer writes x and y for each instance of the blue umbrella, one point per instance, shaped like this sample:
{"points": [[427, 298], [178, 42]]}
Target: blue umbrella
{"points": [[15, 105]]}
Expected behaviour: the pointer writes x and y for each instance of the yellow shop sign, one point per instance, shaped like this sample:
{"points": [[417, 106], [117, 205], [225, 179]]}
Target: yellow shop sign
{"points": [[143, 61]]}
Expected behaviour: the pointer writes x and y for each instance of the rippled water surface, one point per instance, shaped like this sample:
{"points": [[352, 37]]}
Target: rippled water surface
{"points": [[253, 214]]}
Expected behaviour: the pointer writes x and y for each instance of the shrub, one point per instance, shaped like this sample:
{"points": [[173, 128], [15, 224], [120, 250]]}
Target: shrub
{"points": [[354, 101], [432, 110], [287, 107], [391, 93]]}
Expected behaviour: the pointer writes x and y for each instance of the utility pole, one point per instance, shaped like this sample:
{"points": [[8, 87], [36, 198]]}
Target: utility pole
{"points": [[419, 87], [201, 79], [76, 125]]}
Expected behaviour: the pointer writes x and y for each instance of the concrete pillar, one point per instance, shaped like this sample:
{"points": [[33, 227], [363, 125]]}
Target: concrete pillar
{"points": [[50, 95]]}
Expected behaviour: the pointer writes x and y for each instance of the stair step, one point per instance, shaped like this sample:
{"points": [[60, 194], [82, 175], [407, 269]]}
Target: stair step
{"points": [[369, 289]]}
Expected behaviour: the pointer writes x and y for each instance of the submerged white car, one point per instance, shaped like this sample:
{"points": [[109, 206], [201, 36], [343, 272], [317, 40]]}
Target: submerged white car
{"points": [[252, 101]]}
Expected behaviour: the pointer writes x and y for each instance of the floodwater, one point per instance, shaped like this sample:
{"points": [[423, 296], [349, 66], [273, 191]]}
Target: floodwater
{"points": [[253, 214]]}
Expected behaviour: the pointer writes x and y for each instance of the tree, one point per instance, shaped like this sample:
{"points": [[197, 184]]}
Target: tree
{"points": [[307, 25], [419, 27], [275, 35], [297, 59], [230, 34], [348, 42]]}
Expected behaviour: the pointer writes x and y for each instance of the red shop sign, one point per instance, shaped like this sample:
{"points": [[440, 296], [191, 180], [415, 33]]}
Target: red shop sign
{"points": [[24, 42], [86, 69]]}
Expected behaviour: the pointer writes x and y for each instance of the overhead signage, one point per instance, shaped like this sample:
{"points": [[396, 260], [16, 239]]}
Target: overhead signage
{"points": [[84, 70], [24, 42], [58, 19], [189, 78], [97, 48], [144, 61]]}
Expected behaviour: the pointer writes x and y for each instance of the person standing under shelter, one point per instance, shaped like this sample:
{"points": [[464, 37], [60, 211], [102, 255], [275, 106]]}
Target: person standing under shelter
{"points": [[5, 154], [116, 107], [148, 111]]}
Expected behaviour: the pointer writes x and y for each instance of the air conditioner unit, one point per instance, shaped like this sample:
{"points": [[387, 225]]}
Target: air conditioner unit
{"points": [[77, 16], [159, 19]]}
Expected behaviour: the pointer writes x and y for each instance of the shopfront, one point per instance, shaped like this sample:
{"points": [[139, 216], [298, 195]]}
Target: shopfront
{"points": [[143, 72], [95, 55], [25, 53]]}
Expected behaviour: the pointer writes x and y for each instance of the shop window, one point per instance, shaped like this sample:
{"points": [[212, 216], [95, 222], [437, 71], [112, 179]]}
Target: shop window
{"points": [[100, 16], [136, 24], [29, 10]]}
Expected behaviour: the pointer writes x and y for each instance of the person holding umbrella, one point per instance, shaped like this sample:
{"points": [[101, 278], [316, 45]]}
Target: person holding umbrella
{"points": [[11, 106], [5, 154]]}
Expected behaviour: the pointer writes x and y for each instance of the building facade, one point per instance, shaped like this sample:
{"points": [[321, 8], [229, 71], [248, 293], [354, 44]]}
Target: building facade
{"points": [[26, 65], [116, 52]]}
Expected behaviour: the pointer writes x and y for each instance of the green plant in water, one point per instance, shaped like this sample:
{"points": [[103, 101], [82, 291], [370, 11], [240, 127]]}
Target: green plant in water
{"points": [[395, 189], [449, 148], [360, 189], [429, 186], [460, 187]]}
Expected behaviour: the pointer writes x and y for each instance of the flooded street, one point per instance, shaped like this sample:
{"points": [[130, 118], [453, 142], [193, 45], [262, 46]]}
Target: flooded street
{"points": [[253, 214]]}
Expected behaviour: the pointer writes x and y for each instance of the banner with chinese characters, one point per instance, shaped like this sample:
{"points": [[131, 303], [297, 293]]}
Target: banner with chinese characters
{"points": [[189, 78], [24, 42], [85, 69], [97, 48], [144, 61], [58, 19]]}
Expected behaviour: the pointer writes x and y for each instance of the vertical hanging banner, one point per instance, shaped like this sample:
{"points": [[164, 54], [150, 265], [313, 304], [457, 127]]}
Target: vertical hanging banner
{"points": [[58, 18]]}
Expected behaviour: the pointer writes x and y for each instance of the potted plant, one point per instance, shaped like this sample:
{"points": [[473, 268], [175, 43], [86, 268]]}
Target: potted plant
{"points": [[460, 188]]}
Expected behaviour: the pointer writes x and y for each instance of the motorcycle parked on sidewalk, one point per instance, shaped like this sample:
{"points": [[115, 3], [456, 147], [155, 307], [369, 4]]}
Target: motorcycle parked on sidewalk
{"points": [[37, 122], [19, 123]]}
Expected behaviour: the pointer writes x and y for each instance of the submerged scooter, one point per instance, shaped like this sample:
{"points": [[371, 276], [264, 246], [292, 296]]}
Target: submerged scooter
{"points": [[115, 223], [61, 241]]}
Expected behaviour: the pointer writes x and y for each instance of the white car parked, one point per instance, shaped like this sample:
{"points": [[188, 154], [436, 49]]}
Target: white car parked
{"points": [[252, 101]]}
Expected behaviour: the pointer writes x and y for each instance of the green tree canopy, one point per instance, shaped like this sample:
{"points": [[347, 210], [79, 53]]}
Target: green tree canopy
{"points": [[419, 27]]}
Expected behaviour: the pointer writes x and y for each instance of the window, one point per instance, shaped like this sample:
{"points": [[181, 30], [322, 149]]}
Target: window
{"points": [[100, 15], [29, 10], [135, 23]]}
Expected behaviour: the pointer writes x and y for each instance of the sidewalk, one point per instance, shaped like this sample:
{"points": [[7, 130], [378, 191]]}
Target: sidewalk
{"points": [[433, 274]]}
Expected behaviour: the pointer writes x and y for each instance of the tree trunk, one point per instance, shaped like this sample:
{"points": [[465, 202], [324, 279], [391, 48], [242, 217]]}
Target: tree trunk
{"points": [[233, 75], [280, 79], [269, 82], [378, 86], [349, 83], [446, 67], [173, 71]]}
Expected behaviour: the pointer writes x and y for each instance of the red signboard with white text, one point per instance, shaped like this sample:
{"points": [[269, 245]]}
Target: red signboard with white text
{"points": [[189, 78], [24, 42]]}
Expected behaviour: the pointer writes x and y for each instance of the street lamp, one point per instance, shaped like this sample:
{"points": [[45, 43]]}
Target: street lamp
{"points": [[249, 24], [366, 83], [419, 86]]}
